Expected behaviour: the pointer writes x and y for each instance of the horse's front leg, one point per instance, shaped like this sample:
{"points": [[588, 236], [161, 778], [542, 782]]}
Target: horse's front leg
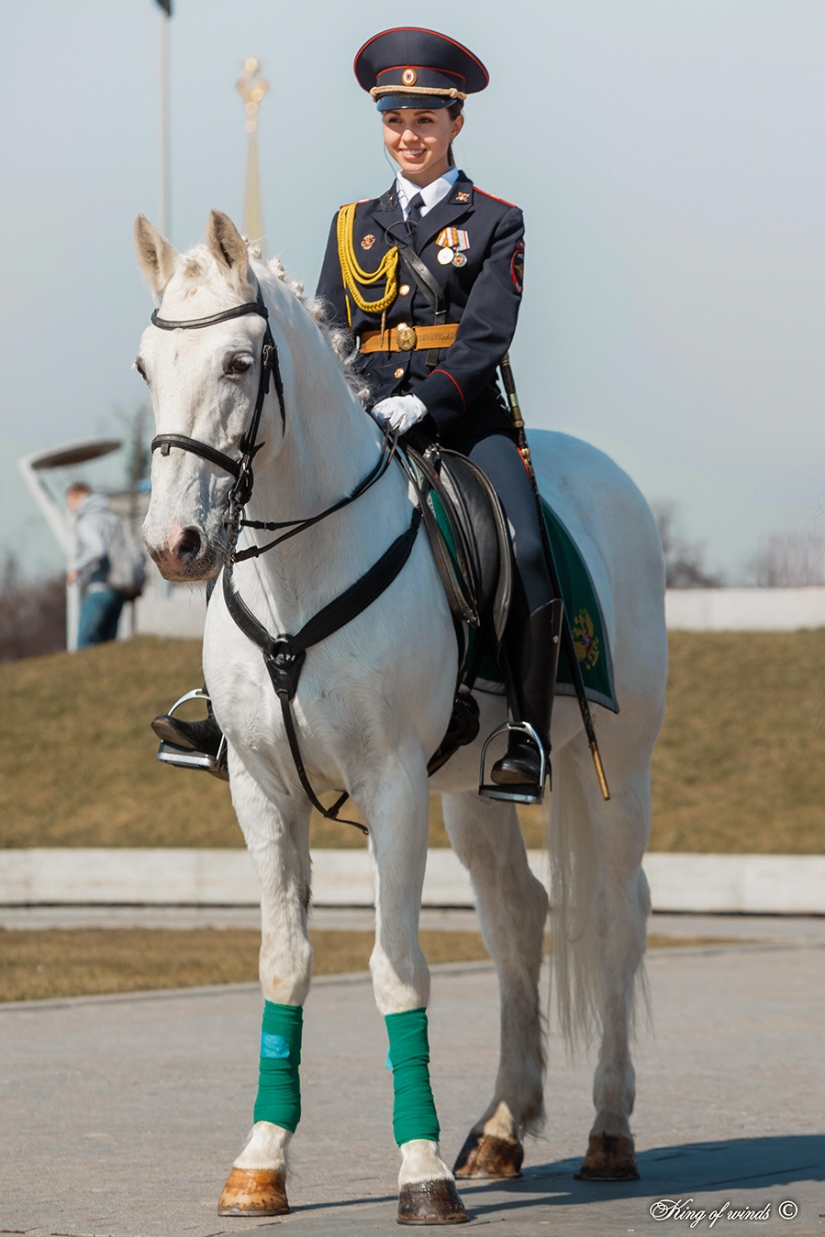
{"points": [[278, 842], [397, 810]]}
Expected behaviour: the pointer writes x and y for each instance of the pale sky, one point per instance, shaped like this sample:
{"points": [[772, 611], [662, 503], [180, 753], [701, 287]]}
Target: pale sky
{"points": [[668, 156]]}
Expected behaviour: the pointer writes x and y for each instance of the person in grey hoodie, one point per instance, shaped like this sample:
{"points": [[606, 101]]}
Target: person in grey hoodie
{"points": [[100, 604]]}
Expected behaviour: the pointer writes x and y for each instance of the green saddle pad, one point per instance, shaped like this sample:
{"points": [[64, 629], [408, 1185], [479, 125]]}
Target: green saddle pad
{"points": [[584, 614]]}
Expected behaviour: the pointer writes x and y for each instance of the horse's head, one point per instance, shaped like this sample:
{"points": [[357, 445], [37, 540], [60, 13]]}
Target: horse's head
{"points": [[205, 381]]}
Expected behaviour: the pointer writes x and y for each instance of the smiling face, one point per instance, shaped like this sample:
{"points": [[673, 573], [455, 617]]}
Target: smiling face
{"points": [[419, 141]]}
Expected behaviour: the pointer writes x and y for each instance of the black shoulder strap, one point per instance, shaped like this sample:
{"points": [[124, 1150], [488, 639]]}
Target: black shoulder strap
{"points": [[426, 281], [431, 289]]}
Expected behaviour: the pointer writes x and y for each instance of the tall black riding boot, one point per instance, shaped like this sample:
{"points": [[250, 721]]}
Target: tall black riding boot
{"points": [[532, 661]]}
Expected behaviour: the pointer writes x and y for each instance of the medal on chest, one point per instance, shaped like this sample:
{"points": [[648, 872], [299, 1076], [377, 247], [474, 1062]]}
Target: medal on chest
{"points": [[451, 245]]}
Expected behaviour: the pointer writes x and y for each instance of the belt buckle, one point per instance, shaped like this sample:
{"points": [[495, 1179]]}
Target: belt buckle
{"points": [[406, 337]]}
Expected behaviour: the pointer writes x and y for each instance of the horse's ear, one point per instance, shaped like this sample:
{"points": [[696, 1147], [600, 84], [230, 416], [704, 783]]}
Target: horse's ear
{"points": [[158, 258], [226, 244]]}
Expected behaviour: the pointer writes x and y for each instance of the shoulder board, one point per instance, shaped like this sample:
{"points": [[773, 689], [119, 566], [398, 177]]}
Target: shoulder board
{"points": [[503, 201], [360, 202]]}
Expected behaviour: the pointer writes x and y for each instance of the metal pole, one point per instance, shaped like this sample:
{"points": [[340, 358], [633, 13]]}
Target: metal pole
{"points": [[164, 213], [252, 90]]}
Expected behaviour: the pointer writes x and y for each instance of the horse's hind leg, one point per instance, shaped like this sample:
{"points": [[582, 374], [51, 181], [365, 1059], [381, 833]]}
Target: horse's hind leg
{"points": [[512, 909], [613, 948]]}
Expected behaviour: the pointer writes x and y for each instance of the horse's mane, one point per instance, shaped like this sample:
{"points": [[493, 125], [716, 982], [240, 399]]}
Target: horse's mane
{"points": [[339, 339], [196, 263]]}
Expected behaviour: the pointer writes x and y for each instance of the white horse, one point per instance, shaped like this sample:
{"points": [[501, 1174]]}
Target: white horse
{"points": [[373, 703]]}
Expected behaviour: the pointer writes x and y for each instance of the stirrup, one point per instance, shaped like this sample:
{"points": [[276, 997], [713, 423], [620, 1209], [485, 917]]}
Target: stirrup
{"points": [[516, 792], [185, 758]]}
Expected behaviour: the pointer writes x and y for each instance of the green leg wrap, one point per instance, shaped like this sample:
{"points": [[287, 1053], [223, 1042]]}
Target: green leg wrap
{"points": [[413, 1113], [279, 1087]]}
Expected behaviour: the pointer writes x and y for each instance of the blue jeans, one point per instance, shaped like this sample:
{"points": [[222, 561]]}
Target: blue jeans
{"points": [[99, 614]]}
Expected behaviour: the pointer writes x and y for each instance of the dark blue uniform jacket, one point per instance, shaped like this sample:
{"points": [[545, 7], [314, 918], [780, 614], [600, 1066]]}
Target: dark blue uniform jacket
{"points": [[461, 393]]}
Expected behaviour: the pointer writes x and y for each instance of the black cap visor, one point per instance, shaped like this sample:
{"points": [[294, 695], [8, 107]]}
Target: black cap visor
{"points": [[417, 102]]}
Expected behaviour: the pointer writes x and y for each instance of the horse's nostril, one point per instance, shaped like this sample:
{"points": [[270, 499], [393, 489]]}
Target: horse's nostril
{"points": [[189, 546]]}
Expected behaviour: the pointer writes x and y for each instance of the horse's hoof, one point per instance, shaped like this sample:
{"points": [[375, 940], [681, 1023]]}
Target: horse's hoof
{"points": [[483, 1155], [610, 1157], [254, 1192], [431, 1202]]}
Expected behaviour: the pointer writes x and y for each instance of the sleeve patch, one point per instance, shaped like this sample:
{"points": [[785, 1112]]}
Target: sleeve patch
{"points": [[517, 268]]}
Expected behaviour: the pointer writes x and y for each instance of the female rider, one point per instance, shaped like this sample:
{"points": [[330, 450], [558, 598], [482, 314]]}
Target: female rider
{"points": [[440, 256]]}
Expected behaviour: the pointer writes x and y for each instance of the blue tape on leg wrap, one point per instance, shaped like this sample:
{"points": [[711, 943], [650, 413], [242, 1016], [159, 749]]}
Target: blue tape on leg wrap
{"points": [[414, 1114], [279, 1087]]}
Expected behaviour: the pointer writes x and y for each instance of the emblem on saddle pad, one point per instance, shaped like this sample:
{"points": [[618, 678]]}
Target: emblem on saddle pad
{"points": [[585, 640]]}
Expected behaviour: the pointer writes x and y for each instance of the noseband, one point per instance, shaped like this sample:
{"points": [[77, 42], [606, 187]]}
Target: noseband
{"points": [[240, 469]]}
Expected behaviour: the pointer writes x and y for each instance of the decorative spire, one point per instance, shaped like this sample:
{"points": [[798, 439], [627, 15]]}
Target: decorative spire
{"points": [[252, 90]]}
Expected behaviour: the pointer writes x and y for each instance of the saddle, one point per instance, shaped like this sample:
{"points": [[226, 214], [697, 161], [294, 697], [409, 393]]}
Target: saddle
{"points": [[468, 533]]}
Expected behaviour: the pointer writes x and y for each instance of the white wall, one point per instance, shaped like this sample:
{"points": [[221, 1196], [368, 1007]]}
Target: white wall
{"points": [[744, 609], [180, 615], [686, 609]]}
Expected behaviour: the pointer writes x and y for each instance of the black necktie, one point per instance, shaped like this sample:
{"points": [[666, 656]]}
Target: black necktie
{"points": [[414, 211]]}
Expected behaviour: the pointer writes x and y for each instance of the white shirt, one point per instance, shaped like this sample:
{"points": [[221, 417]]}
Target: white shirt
{"points": [[431, 194]]}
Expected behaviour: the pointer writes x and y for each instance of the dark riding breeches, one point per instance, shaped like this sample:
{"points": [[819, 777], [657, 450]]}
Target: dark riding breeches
{"points": [[498, 456]]}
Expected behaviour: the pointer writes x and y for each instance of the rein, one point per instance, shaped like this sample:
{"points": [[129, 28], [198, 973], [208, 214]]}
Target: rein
{"points": [[284, 655]]}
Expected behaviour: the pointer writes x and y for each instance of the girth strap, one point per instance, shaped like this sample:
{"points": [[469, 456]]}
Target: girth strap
{"points": [[284, 655]]}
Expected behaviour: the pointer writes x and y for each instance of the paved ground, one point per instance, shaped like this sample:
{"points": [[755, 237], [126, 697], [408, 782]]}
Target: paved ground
{"points": [[120, 1116]]}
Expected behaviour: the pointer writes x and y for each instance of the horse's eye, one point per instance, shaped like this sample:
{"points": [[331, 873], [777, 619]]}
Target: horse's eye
{"points": [[139, 366], [238, 364]]}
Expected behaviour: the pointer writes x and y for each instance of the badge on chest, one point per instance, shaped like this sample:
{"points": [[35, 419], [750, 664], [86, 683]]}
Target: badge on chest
{"points": [[451, 245]]}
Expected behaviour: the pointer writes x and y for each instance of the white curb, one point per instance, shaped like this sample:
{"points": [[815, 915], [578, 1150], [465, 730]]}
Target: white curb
{"points": [[704, 884]]}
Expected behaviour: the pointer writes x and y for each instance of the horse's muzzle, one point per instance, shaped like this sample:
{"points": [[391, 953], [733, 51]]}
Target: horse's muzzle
{"points": [[186, 555]]}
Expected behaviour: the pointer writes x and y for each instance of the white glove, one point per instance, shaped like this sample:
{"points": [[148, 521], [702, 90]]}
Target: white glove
{"points": [[399, 412]]}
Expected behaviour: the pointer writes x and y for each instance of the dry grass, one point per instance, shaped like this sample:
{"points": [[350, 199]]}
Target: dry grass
{"points": [[77, 756], [55, 963], [740, 765]]}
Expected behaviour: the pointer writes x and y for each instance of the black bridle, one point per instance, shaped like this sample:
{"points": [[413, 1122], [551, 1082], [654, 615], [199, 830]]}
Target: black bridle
{"points": [[284, 654], [240, 469]]}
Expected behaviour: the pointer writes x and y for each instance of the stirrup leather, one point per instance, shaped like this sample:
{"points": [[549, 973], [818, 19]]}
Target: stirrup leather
{"points": [[515, 792], [185, 758]]}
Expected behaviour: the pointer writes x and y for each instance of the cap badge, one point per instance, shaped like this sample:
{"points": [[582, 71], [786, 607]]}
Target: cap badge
{"points": [[409, 77], [368, 241]]}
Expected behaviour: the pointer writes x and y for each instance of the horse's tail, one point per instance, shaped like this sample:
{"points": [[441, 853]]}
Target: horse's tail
{"points": [[573, 884], [576, 883]]}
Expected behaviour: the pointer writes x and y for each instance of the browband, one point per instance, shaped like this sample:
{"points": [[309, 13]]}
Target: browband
{"points": [[248, 307]]}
